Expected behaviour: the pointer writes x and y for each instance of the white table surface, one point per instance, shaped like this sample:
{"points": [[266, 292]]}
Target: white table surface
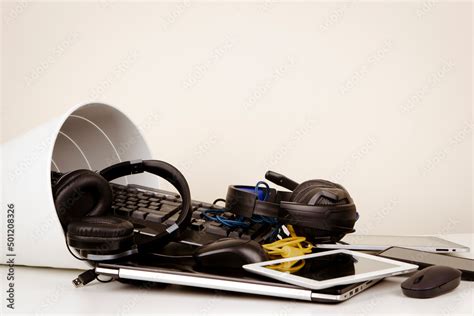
{"points": [[45, 290]]}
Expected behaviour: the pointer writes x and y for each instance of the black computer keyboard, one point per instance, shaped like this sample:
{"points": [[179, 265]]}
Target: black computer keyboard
{"points": [[146, 208]]}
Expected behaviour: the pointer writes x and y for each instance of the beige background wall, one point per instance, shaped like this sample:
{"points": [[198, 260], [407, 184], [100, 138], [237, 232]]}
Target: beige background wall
{"points": [[376, 96]]}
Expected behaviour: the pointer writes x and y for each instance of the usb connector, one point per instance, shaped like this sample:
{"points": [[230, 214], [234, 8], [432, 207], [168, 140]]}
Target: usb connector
{"points": [[84, 278]]}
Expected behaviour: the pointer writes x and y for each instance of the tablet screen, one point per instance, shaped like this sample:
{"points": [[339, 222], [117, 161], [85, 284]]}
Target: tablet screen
{"points": [[337, 266]]}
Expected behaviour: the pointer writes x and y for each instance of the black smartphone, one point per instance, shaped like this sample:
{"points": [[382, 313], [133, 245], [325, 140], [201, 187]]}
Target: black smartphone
{"points": [[425, 259]]}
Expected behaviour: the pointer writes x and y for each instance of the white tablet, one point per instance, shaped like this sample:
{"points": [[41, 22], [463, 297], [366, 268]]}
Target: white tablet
{"points": [[332, 268], [378, 243]]}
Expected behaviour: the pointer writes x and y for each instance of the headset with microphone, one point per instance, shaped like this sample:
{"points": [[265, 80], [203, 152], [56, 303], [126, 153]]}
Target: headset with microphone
{"points": [[83, 198], [321, 210]]}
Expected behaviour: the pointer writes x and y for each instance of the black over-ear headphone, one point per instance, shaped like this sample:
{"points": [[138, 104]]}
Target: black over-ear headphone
{"points": [[321, 210], [83, 198]]}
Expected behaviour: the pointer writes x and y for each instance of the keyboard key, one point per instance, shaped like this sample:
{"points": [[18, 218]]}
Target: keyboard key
{"points": [[169, 208], [172, 219], [158, 195], [134, 199], [155, 217], [139, 214], [197, 214], [206, 205], [123, 211], [197, 224], [155, 204], [174, 203], [154, 200], [146, 210], [196, 203], [216, 229]]}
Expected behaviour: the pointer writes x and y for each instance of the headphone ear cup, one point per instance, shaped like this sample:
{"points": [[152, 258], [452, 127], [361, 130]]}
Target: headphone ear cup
{"points": [[81, 193], [100, 234], [321, 193], [308, 189]]}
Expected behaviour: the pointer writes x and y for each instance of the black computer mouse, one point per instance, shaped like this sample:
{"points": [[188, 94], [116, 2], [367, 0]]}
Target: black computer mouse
{"points": [[229, 253], [431, 282]]}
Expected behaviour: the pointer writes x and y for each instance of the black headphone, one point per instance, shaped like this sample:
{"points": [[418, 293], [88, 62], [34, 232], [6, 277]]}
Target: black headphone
{"points": [[83, 198], [321, 210]]}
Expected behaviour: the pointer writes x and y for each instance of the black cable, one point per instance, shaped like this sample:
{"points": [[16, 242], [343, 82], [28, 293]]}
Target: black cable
{"points": [[87, 276], [69, 249]]}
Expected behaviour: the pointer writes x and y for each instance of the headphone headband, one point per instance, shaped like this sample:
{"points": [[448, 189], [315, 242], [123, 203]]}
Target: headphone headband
{"points": [[165, 171]]}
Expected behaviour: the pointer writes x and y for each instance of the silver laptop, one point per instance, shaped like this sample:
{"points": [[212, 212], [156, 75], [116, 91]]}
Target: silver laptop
{"points": [[244, 283]]}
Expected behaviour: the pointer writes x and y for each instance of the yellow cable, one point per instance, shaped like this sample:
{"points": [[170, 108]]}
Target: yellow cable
{"points": [[287, 248]]}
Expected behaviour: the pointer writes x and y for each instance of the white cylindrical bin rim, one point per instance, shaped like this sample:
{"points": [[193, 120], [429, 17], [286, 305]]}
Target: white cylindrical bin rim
{"points": [[91, 136]]}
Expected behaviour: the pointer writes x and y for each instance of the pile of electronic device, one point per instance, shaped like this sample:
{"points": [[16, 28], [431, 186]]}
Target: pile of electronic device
{"points": [[289, 244]]}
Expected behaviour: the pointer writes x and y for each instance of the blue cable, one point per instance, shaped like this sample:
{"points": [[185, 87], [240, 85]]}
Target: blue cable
{"points": [[239, 222], [261, 218], [267, 190]]}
